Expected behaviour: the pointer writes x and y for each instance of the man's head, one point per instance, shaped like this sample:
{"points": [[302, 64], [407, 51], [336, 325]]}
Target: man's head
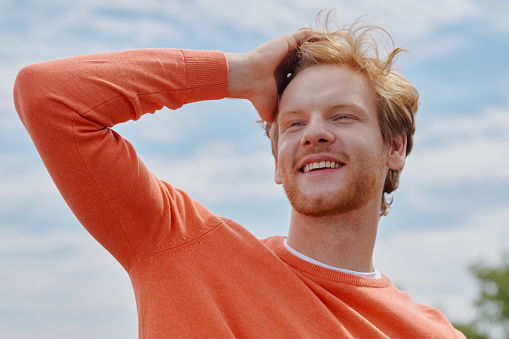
{"points": [[356, 48]]}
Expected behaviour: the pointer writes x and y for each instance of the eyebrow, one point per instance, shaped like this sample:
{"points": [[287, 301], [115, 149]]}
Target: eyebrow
{"points": [[342, 105], [349, 104]]}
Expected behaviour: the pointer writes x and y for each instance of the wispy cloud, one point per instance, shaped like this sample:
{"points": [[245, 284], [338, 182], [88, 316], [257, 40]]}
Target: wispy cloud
{"points": [[434, 267], [26, 186], [53, 286], [462, 150], [221, 173]]}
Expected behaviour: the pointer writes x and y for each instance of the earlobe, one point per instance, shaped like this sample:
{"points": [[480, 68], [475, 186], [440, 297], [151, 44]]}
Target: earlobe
{"points": [[397, 153], [277, 177]]}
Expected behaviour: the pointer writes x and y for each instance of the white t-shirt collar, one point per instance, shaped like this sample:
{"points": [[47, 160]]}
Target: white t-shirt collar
{"points": [[374, 275]]}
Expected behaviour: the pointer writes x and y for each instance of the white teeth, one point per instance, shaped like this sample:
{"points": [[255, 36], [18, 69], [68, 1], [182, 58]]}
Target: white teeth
{"points": [[321, 164]]}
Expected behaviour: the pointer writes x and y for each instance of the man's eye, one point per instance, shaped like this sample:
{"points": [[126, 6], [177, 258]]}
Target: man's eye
{"points": [[341, 117], [296, 123]]}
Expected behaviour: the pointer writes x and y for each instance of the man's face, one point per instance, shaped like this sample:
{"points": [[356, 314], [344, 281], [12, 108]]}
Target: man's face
{"points": [[331, 157]]}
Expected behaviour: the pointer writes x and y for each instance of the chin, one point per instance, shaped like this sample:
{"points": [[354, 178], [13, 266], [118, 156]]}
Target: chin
{"points": [[329, 204], [354, 195]]}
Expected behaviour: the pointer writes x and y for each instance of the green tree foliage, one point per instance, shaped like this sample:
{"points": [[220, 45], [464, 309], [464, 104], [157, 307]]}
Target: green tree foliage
{"points": [[470, 331], [492, 304]]}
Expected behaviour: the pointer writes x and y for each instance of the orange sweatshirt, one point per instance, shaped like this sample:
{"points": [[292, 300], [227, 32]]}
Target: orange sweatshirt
{"points": [[194, 274]]}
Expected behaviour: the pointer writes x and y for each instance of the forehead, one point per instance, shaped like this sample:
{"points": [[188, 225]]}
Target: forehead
{"points": [[328, 85]]}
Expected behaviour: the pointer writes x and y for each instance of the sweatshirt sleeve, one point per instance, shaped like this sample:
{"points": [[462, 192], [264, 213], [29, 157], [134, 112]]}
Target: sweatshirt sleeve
{"points": [[69, 107]]}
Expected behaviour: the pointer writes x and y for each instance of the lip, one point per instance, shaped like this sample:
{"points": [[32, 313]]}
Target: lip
{"points": [[318, 158]]}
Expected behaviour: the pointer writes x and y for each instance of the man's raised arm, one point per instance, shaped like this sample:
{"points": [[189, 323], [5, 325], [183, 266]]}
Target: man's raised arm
{"points": [[70, 105]]}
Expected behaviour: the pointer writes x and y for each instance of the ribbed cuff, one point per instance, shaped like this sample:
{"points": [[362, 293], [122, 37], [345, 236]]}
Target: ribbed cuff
{"points": [[207, 75]]}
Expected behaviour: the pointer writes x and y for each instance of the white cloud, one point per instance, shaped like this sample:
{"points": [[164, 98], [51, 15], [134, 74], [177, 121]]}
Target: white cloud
{"points": [[221, 172], [11, 127], [495, 13], [265, 16], [436, 47], [92, 26], [164, 127], [24, 181], [470, 149], [142, 31], [411, 18], [432, 264], [62, 285]]}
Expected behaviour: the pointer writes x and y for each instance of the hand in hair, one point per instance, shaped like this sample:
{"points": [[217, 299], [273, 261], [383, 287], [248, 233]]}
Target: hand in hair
{"points": [[252, 75]]}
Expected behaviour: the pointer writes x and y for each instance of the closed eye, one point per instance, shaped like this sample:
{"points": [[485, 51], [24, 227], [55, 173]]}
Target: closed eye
{"points": [[296, 123], [343, 117]]}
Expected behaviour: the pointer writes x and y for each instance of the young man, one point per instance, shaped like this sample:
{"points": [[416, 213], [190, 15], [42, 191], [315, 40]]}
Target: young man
{"points": [[343, 127]]}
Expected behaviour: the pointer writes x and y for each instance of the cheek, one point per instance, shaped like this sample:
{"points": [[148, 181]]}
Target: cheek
{"points": [[368, 150], [370, 139], [284, 149], [285, 160], [279, 163]]}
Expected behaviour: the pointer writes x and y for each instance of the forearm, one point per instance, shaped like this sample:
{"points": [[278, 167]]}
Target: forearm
{"points": [[138, 81]]}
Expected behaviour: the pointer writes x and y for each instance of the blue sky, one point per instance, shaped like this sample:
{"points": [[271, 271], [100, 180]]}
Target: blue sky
{"points": [[452, 207]]}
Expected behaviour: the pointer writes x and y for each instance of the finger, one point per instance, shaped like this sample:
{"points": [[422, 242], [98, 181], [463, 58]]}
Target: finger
{"points": [[267, 110], [301, 35], [266, 104]]}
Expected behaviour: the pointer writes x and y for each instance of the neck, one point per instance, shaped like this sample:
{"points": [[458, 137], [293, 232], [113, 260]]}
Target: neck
{"points": [[344, 241]]}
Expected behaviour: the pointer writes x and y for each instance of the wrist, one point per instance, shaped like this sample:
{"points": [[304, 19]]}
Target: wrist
{"points": [[239, 82]]}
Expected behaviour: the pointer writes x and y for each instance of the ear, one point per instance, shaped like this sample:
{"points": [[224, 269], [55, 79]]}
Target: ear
{"points": [[277, 176], [397, 153]]}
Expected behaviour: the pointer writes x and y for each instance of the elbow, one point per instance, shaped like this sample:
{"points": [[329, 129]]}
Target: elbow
{"points": [[37, 90], [27, 91]]}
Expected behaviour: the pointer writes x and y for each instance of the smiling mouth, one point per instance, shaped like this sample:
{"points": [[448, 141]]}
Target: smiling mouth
{"points": [[319, 165]]}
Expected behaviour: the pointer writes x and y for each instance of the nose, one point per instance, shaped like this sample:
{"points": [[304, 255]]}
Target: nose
{"points": [[316, 132]]}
